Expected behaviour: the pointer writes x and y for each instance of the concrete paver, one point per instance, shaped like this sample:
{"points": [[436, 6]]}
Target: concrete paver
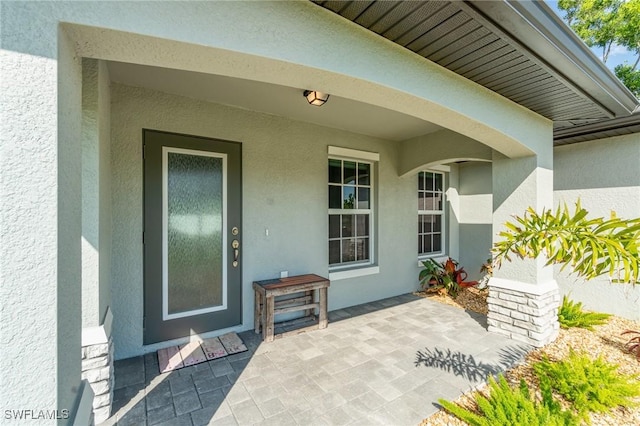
{"points": [[386, 362]]}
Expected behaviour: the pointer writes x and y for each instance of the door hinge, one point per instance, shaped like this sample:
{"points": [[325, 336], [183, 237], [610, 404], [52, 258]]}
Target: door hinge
{"points": [[143, 237], [144, 323], [144, 152]]}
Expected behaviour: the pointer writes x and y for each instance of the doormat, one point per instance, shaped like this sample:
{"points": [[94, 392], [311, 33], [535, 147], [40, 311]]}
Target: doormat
{"points": [[192, 353]]}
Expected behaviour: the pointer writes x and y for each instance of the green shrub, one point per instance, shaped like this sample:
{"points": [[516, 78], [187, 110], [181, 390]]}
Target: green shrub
{"points": [[512, 407], [572, 315], [589, 385]]}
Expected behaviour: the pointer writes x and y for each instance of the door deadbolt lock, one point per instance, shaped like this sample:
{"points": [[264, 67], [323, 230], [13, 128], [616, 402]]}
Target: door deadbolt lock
{"points": [[235, 230], [235, 244]]}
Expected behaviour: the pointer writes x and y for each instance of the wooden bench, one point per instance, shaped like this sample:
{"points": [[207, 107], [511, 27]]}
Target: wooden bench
{"points": [[266, 307]]}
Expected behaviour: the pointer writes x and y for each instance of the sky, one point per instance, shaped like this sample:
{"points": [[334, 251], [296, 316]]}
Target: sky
{"points": [[618, 54]]}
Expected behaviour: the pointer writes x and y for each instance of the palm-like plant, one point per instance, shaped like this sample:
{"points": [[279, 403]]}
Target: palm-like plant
{"points": [[591, 247]]}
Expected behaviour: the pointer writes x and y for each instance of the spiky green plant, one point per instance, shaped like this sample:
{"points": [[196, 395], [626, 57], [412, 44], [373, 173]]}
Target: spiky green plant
{"points": [[571, 315], [507, 406], [589, 384], [591, 247]]}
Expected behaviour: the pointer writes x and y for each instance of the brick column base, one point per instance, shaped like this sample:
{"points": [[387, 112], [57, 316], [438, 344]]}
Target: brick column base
{"points": [[524, 312]]}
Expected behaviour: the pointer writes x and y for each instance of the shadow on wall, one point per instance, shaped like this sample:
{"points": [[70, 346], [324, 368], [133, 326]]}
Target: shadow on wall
{"points": [[619, 299], [599, 164], [475, 246]]}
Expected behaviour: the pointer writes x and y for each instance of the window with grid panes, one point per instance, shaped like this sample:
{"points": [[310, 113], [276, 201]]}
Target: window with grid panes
{"points": [[430, 213], [350, 212]]}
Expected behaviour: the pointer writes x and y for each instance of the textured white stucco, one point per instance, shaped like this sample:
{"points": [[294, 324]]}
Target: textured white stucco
{"points": [[443, 146], [518, 184], [96, 193], [90, 195], [39, 222], [28, 230], [284, 191], [605, 176], [69, 231], [453, 225], [476, 211]]}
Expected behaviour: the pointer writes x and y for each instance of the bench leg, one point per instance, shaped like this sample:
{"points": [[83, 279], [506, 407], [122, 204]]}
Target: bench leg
{"points": [[268, 315], [309, 312], [322, 320], [257, 312]]}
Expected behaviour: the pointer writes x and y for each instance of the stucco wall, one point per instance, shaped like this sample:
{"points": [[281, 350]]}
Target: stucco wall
{"points": [[253, 40], [605, 175], [90, 195], [284, 190], [41, 100], [96, 192], [475, 213], [443, 146], [104, 132], [39, 221], [69, 189]]}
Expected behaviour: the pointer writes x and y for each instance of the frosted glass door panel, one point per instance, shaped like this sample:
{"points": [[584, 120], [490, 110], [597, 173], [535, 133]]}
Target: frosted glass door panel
{"points": [[194, 259]]}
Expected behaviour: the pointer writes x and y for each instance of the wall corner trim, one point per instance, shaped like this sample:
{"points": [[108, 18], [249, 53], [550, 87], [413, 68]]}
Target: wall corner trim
{"points": [[99, 334]]}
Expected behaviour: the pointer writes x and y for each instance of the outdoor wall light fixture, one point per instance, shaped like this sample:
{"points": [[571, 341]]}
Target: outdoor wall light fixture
{"points": [[316, 98]]}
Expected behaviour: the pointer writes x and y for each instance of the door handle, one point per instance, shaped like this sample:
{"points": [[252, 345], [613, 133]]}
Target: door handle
{"points": [[235, 244]]}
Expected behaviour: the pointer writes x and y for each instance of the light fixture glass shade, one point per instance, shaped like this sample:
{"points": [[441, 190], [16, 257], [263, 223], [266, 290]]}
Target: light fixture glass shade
{"points": [[316, 98]]}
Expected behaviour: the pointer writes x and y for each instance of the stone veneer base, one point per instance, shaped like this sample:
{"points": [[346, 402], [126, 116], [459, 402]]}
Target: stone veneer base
{"points": [[97, 366], [97, 369], [526, 312]]}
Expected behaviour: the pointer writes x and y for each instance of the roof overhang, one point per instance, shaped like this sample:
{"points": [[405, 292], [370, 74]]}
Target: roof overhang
{"points": [[519, 49], [544, 36], [604, 129]]}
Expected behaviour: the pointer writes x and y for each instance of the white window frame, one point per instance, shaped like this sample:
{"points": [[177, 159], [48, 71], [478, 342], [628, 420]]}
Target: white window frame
{"points": [[442, 213], [346, 154]]}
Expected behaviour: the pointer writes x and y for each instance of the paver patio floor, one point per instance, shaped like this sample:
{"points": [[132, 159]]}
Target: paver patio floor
{"points": [[385, 362]]}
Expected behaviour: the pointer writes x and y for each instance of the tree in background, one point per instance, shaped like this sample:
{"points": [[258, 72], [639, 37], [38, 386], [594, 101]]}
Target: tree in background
{"points": [[605, 24]]}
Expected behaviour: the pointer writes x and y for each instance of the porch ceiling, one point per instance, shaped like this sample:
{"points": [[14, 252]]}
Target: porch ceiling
{"points": [[339, 113], [520, 50]]}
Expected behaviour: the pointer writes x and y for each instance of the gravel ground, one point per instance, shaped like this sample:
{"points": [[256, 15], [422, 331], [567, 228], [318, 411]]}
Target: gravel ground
{"points": [[605, 341]]}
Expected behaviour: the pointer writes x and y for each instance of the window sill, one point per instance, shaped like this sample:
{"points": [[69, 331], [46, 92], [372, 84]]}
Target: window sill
{"points": [[440, 258], [353, 273]]}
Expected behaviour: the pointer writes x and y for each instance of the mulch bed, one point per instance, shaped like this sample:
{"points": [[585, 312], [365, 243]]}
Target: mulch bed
{"points": [[471, 298], [606, 341]]}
